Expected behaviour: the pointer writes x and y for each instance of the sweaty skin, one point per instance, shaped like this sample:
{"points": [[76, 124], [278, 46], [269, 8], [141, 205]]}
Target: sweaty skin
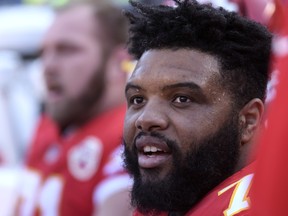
{"points": [[176, 93]]}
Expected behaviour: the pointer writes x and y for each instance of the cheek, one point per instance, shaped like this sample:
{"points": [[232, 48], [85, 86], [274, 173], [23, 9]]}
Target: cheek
{"points": [[190, 129], [77, 84], [78, 77], [186, 135]]}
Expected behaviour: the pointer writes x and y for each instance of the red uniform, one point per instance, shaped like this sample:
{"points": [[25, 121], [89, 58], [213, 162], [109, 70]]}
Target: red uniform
{"points": [[69, 175], [230, 198], [1, 159]]}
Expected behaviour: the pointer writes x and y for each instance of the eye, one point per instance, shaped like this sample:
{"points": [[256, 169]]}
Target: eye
{"points": [[67, 49], [136, 100], [181, 99]]}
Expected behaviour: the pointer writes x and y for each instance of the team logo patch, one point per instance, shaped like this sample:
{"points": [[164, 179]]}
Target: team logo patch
{"points": [[84, 158]]}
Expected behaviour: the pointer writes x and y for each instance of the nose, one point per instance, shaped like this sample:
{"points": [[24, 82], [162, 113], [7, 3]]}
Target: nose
{"points": [[153, 117], [49, 63], [51, 70]]}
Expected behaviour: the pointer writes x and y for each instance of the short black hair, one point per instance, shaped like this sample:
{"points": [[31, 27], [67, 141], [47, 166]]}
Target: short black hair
{"points": [[241, 46]]}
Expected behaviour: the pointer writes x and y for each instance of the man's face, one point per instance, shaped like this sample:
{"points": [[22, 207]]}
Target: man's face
{"points": [[181, 134], [73, 65]]}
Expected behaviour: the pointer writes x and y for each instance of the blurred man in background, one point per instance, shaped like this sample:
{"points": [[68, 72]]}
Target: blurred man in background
{"points": [[73, 165]]}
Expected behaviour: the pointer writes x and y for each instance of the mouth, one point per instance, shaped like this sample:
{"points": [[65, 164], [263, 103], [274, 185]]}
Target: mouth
{"points": [[152, 152], [54, 92]]}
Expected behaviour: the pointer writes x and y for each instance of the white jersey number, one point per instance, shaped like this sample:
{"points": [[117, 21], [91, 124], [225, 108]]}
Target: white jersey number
{"points": [[40, 197], [239, 200]]}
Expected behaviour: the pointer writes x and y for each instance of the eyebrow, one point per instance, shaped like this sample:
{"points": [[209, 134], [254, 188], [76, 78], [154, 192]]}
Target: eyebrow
{"points": [[189, 85], [132, 86]]}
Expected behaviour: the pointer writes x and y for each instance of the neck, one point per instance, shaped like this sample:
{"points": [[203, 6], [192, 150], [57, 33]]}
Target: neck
{"points": [[81, 118]]}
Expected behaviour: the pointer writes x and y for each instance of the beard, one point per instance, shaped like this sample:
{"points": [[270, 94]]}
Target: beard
{"points": [[77, 110], [192, 174]]}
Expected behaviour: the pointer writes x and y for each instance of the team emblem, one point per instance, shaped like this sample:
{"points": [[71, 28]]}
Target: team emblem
{"points": [[84, 159]]}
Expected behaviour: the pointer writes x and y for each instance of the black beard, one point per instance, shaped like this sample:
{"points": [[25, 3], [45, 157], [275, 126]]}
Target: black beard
{"points": [[192, 176]]}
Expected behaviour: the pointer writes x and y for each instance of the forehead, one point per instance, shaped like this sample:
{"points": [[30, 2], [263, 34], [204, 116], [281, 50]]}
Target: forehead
{"points": [[172, 66], [73, 24]]}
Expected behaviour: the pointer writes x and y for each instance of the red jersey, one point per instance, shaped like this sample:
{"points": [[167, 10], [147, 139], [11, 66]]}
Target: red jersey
{"points": [[1, 159], [64, 173], [230, 198]]}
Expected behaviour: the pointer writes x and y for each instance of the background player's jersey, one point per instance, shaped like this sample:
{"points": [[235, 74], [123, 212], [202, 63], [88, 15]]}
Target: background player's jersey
{"points": [[63, 172], [230, 198]]}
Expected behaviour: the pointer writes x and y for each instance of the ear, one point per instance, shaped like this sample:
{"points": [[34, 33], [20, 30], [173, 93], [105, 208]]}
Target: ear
{"points": [[250, 119], [117, 64], [116, 76]]}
